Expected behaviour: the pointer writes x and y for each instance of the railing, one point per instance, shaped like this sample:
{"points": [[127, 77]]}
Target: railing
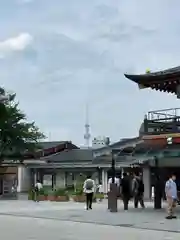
{"points": [[164, 113]]}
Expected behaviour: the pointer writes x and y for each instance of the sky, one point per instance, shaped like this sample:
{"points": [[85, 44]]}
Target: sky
{"points": [[61, 56]]}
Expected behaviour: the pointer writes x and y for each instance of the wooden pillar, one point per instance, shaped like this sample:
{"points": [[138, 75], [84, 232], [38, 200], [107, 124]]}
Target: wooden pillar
{"points": [[100, 176], [53, 179], [41, 173]]}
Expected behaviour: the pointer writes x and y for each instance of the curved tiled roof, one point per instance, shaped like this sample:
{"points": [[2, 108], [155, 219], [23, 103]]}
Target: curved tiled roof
{"points": [[173, 72], [166, 80], [45, 149]]}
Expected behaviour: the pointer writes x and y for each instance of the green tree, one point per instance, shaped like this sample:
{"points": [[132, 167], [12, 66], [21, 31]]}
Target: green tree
{"points": [[17, 136]]}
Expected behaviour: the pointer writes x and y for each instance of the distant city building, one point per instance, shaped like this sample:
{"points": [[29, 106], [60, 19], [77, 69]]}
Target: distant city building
{"points": [[99, 142]]}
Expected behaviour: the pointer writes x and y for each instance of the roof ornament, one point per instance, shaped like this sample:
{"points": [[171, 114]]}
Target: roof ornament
{"points": [[148, 71], [166, 80]]}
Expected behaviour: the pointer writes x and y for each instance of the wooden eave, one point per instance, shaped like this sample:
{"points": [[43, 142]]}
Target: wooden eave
{"points": [[165, 81], [161, 136]]}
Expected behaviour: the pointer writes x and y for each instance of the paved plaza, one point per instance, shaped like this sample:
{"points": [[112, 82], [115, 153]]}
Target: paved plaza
{"points": [[50, 220]]}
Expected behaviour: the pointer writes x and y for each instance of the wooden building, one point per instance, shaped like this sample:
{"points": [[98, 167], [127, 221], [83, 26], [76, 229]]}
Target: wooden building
{"points": [[160, 129]]}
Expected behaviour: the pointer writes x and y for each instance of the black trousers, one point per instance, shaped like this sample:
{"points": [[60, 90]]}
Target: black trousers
{"points": [[89, 199], [139, 198], [36, 195], [125, 199]]}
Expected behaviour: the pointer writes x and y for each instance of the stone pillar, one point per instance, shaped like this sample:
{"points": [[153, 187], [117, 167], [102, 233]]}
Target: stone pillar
{"points": [[105, 182], [112, 198], [24, 179], [147, 182]]}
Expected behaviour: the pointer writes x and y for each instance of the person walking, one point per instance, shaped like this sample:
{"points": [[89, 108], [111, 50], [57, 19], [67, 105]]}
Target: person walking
{"points": [[171, 196], [117, 182], [138, 191], [125, 190], [100, 191], [38, 186], [89, 188]]}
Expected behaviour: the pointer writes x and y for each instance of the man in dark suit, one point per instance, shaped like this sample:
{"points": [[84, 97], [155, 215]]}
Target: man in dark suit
{"points": [[125, 190]]}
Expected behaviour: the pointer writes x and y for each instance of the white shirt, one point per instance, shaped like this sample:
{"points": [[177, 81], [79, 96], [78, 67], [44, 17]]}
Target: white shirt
{"points": [[39, 185], [116, 181], [100, 187], [87, 190], [171, 189]]}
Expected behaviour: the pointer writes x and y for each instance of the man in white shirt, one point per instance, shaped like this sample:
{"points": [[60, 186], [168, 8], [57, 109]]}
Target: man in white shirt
{"points": [[171, 196], [38, 186], [89, 188]]}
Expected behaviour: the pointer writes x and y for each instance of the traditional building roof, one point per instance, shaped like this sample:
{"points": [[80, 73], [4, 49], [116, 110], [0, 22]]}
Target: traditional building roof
{"points": [[68, 158], [127, 142], [46, 149], [71, 156], [51, 148], [157, 148], [145, 149], [166, 81], [127, 152]]}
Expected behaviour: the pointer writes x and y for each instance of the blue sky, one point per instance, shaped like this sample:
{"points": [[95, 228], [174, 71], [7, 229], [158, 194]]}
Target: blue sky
{"points": [[60, 55]]}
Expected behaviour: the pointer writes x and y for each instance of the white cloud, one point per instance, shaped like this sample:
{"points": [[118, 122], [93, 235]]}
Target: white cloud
{"points": [[80, 54], [24, 1], [14, 44]]}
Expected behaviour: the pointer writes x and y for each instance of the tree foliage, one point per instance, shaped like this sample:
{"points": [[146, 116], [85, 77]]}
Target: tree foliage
{"points": [[17, 135]]}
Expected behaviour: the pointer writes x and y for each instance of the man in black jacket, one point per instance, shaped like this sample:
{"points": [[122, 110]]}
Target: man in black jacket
{"points": [[125, 190]]}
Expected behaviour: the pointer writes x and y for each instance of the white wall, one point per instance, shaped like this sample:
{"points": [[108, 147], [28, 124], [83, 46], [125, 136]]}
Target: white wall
{"points": [[60, 179]]}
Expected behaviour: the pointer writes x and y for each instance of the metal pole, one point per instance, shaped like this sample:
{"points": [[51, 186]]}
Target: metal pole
{"points": [[113, 187]]}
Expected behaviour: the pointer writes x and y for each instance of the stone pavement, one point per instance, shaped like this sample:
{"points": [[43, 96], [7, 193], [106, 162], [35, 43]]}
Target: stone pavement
{"points": [[41, 221]]}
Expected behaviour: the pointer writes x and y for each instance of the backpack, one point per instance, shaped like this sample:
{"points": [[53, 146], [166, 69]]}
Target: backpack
{"points": [[89, 184]]}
